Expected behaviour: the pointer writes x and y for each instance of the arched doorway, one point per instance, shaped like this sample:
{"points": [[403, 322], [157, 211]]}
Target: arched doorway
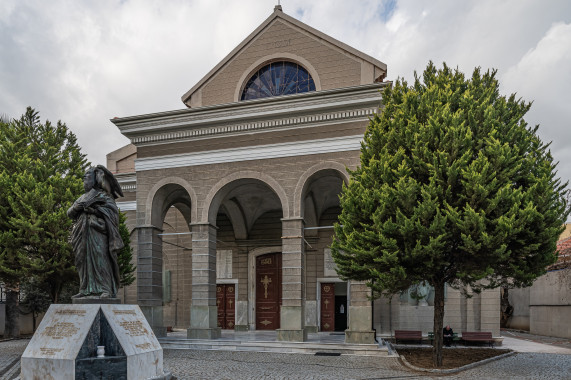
{"points": [[247, 213]]}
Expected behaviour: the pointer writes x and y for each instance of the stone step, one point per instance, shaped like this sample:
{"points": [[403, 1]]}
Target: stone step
{"points": [[272, 346]]}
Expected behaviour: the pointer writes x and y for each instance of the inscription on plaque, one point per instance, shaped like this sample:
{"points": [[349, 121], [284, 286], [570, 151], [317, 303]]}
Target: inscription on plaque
{"points": [[71, 312], [224, 263], [144, 346], [134, 328], [119, 312], [61, 330], [329, 266], [50, 351]]}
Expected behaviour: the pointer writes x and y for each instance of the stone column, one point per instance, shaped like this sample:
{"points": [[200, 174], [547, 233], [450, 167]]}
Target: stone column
{"points": [[360, 315], [150, 277], [292, 316], [203, 309]]}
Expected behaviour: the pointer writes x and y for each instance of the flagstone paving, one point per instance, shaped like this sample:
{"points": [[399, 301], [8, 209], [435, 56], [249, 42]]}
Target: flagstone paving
{"points": [[536, 358]]}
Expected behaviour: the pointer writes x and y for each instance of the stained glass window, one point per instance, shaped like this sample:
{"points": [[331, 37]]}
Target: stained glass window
{"points": [[278, 78]]}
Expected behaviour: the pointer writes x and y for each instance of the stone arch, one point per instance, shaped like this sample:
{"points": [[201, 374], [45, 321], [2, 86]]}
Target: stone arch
{"points": [[305, 180], [274, 57], [155, 207], [220, 190]]}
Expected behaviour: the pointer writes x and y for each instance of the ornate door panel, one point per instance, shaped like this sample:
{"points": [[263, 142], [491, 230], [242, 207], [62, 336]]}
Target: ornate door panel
{"points": [[268, 291], [327, 307], [225, 300]]}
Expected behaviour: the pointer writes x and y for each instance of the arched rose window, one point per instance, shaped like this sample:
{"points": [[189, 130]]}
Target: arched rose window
{"points": [[278, 78]]}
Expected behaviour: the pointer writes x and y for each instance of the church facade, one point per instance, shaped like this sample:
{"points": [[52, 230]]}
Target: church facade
{"points": [[231, 201]]}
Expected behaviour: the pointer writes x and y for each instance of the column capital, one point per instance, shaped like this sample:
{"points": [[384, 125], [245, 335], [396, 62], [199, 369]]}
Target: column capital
{"points": [[293, 219], [200, 224], [143, 226]]}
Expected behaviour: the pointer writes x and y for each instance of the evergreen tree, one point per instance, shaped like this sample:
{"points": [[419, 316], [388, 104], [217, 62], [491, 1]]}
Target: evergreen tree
{"points": [[41, 170], [36, 299], [125, 255], [453, 188]]}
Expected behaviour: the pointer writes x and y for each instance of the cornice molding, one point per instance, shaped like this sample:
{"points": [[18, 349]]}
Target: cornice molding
{"points": [[261, 152], [127, 181], [255, 126], [271, 109], [127, 206]]}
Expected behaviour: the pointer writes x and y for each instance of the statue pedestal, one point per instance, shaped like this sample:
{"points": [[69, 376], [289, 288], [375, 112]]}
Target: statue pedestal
{"points": [[95, 301], [68, 344]]}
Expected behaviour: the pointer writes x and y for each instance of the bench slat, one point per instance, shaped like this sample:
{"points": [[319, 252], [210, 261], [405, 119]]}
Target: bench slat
{"points": [[478, 336]]}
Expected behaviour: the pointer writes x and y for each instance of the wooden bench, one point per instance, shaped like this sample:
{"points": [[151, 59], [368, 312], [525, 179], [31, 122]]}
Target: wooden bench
{"points": [[407, 335], [455, 338], [478, 337]]}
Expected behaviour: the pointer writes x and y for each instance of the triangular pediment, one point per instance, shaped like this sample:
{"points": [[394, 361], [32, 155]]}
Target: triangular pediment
{"points": [[332, 63]]}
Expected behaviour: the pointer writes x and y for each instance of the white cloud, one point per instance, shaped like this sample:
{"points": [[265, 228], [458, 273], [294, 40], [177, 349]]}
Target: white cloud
{"points": [[543, 75], [85, 62]]}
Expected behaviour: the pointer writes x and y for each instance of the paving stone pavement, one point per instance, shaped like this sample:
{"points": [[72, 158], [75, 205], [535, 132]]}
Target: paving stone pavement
{"points": [[191, 364], [10, 352]]}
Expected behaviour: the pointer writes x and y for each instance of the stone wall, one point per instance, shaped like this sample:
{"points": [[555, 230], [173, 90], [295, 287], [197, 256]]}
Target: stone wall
{"points": [[550, 304], [479, 313], [519, 300]]}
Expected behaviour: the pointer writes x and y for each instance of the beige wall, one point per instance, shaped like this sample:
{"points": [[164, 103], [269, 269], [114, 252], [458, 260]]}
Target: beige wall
{"points": [[519, 300], [335, 69], [550, 304], [478, 313]]}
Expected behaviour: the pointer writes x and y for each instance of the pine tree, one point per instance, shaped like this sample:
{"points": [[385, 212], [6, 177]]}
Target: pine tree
{"points": [[41, 170], [453, 188], [125, 255]]}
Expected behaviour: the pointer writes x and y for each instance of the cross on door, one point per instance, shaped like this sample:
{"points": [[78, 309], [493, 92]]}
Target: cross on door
{"points": [[266, 281]]}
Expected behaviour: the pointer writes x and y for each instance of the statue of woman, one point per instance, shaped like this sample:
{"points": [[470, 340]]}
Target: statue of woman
{"points": [[95, 236]]}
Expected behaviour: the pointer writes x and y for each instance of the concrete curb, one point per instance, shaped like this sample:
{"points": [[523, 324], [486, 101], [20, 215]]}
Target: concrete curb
{"points": [[455, 370]]}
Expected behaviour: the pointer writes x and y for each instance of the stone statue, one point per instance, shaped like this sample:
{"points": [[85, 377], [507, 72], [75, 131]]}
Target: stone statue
{"points": [[95, 236]]}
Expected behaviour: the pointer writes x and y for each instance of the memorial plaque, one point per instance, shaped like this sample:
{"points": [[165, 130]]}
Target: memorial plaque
{"points": [[329, 266], [65, 344], [224, 263], [58, 339]]}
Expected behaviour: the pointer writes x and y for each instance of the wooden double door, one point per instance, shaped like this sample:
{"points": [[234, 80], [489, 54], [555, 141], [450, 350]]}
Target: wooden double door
{"points": [[226, 301], [333, 309], [268, 291]]}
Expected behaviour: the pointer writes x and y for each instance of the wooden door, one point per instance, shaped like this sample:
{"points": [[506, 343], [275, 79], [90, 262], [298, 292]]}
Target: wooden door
{"points": [[225, 300], [327, 307], [268, 291]]}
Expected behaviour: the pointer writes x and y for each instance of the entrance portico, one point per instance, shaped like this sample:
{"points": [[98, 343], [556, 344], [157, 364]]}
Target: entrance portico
{"points": [[242, 188]]}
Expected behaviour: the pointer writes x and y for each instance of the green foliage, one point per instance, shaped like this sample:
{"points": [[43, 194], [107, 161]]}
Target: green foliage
{"points": [[41, 170], [36, 298], [125, 255], [453, 187]]}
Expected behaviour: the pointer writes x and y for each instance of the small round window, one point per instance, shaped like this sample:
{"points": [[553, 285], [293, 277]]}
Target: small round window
{"points": [[278, 78]]}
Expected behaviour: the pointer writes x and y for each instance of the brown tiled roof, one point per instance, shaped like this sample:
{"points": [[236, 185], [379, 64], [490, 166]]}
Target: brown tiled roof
{"points": [[564, 260]]}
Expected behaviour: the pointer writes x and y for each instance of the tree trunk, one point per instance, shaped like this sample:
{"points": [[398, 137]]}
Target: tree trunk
{"points": [[12, 329], [438, 324]]}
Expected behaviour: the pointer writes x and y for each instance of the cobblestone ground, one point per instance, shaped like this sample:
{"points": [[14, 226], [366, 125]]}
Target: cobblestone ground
{"points": [[190, 364], [532, 366], [10, 352], [186, 364]]}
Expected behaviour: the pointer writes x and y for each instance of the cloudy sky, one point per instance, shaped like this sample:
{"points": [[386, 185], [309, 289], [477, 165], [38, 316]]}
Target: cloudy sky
{"points": [[87, 61]]}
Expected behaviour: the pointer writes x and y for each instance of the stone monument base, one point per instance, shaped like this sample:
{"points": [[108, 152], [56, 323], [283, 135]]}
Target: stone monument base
{"points": [[93, 341], [95, 301]]}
